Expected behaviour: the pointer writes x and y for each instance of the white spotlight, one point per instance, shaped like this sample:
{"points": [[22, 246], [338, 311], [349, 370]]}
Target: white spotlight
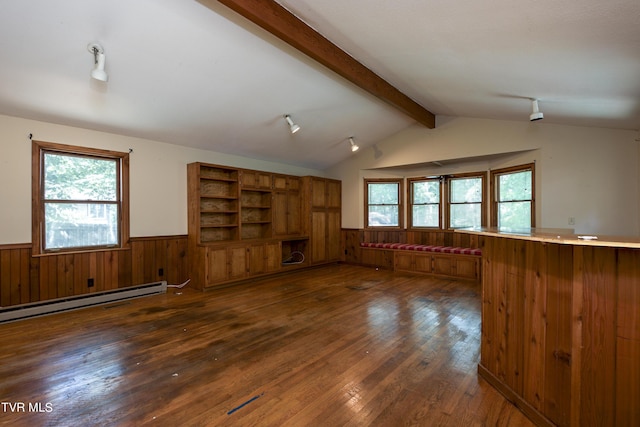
{"points": [[98, 72], [292, 126], [354, 146], [536, 114]]}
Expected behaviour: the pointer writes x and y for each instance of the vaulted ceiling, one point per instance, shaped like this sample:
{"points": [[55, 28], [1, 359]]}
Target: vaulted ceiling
{"points": [[200, 74]]}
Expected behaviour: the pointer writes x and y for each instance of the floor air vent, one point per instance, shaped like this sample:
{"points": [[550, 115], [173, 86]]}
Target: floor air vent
{"points": [[58, 305]]}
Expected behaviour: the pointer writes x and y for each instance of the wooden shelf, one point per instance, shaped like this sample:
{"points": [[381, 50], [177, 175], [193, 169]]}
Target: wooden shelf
{"points": [[214, 214]]}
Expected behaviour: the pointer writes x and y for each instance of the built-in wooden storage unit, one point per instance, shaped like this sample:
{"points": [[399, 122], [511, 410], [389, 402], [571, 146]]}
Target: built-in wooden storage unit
{"points": [[448, 265], [245, 223]]}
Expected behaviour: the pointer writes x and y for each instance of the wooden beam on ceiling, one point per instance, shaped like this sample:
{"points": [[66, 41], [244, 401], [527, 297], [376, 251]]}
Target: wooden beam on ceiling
{"points": [[283, 24]]}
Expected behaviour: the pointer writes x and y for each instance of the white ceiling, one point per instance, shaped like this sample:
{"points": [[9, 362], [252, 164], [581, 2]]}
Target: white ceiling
{"points": [[204, 77]]}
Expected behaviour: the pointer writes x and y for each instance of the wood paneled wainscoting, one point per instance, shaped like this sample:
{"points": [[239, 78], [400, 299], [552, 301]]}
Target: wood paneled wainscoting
{"points": [[25, 279]]}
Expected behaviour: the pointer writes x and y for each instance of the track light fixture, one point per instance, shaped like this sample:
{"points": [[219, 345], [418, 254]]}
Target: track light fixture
{"points": [[98, 72], [536, 114], [292, 126], [354, 146]]}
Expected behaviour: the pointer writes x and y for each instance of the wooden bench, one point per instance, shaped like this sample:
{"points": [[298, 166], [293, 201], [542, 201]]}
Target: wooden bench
{"points": [[446, 261]]}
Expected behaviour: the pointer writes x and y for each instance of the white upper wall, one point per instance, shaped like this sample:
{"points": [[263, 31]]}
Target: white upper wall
{"points": [[158, 176], [589, 174]]}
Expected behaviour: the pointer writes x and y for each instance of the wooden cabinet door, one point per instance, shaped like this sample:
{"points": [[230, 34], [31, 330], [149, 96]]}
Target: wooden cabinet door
{"points": [[216, 266], [318, 236], [237, 262], [293, 183], [287, 214], [324, 221], [280, 182], [422, 263], [294, 213], [264, 258], [257, 259], [255, 179], [272, 257], [403, 261], [318, 193], [467, 268], [280, 218], [334, 194], [442, 265], [333, 235], [325, 236]]}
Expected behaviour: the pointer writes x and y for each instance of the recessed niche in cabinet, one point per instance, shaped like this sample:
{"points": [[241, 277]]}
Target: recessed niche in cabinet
{"points": [[218, 234], [255, 214], [218, 173], [208, 204], [295, 252]]}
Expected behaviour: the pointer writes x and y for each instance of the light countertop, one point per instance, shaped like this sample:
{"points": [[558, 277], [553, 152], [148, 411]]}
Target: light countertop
{"points": [[557, 235]]}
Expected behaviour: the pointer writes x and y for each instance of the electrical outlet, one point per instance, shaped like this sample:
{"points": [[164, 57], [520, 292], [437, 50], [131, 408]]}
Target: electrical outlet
{"points": [[90, 282], [572, 221], [161, 272]]}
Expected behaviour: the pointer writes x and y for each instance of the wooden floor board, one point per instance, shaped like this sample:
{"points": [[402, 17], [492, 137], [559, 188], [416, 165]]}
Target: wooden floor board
{"points": [[334, 346]]}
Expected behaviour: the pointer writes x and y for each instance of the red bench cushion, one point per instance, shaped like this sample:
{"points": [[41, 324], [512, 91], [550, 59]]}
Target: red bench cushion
{"points": [[423, 248]]}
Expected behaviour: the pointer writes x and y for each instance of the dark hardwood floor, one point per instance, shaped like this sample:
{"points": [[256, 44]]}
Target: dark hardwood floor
{"points": [[332, 346]]}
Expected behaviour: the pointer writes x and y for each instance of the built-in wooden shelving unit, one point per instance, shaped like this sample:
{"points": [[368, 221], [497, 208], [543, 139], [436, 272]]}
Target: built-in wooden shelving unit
{"points": [[244, 223]]}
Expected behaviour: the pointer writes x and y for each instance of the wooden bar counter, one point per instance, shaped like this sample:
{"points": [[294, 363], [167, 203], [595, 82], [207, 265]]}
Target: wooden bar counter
{"points": [[561, 325]]}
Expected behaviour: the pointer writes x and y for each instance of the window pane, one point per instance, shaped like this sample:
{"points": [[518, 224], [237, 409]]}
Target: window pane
{"points": [[515, 186], [466, 190], [79, 178], [383, 194], [426, 192], [426, 216], [465, 215], [70, 225], [383, 216], [515, 215]]}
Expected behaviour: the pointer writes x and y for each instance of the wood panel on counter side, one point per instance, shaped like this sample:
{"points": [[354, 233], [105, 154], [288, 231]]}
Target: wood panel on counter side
{"points": [[25, 279], [610, 321], [526, 329], [561, 330], [627, 361]]}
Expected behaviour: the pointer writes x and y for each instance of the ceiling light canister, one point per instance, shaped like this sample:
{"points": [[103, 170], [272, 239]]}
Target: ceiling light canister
{"points": [[292, 126], [354, 146], [536, 114], [98, 71]]}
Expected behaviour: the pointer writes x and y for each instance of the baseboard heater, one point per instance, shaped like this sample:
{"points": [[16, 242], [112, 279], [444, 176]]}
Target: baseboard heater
{"points": [[25, 311]]}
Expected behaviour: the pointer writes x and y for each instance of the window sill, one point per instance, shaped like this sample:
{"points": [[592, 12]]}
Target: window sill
{"points": [[83, 251]]}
